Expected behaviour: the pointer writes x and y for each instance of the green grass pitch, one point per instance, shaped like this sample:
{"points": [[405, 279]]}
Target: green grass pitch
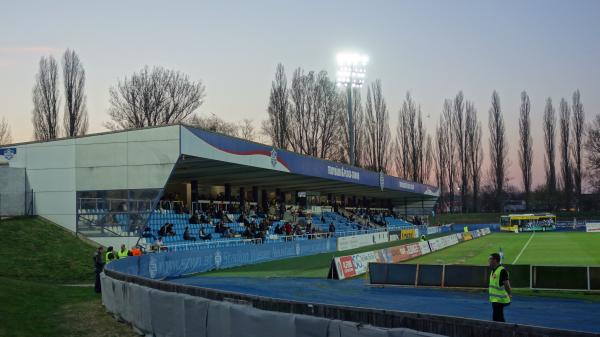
{"points": [[542, 248]]}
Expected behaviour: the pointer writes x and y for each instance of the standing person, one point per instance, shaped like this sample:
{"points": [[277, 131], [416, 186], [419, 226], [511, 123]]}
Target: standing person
{"points": [[98, 267], [123, 253], [499, 289], [110, 255]]}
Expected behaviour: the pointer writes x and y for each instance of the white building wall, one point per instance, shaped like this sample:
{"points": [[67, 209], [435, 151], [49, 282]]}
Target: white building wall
{"points": [[56, 170]]}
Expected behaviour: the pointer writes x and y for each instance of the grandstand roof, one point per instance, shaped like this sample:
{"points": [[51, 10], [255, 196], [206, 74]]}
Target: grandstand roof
{"points": [[211, 158]]}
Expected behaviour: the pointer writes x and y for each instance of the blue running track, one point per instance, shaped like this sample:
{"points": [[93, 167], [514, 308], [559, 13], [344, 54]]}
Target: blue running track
{"points": [[540, 311]]}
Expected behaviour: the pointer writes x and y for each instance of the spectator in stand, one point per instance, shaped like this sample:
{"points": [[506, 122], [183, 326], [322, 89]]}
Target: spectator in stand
{"points": [[98, 267], [147, 233], [278, 230], [170, 231], [194, 219], [157, 245], [163, 230], [187, 236], [136, 251], [288, 229], [331, 228], [203, 236], [247, 234]]}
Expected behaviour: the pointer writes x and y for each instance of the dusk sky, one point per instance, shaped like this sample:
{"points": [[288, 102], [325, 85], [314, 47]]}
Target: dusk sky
{"points": [[431, 48]]}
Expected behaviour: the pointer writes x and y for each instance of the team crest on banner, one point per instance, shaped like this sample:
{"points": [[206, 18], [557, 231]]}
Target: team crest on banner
{"points": [[218, 259], [273, 157], [381, 180], [9, 153], [297, 249]]}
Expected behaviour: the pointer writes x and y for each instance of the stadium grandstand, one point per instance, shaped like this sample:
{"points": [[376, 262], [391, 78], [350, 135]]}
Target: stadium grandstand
{"points": [[135, 186]]}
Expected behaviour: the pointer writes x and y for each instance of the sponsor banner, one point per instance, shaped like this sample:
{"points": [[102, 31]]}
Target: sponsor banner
{"points": [[433, 230], [424, 247], [357, 264], [394, 237], [408, 234], [485, 231], [592, 227], [357, 241]]}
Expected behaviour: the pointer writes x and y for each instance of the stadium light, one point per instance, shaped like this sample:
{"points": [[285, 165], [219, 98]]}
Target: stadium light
{"points": [[351, 74]]}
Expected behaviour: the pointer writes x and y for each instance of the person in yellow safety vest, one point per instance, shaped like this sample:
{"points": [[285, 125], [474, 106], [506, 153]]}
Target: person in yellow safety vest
{"points": [[499, 289], [110, 255], [466, 229], [123, 253]]}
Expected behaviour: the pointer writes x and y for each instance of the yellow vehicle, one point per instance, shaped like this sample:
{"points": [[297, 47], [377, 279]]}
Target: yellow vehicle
{"points": [[528, 222]]}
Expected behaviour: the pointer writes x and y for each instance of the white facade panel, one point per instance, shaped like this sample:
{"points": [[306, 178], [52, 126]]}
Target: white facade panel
{"points": [[148, 176], [102, 178], [56, 170], [52, 180], [99, 155]]}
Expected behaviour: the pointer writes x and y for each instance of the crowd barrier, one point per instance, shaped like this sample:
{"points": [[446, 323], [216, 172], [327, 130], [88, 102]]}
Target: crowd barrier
{"points": [[178, 263], [343, 267], [466, 276], [160, 309]]}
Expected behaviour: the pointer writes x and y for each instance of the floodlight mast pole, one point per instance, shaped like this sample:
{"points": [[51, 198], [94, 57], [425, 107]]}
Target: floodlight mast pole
{"points": [[351, 73], [351, 126]]}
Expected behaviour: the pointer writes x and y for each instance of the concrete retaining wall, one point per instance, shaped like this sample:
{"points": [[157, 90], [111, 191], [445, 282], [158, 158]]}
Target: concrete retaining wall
{"points": [[159, 313]]}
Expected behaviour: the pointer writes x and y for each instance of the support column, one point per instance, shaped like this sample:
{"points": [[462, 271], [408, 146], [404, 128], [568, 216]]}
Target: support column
{"points": [[242, 199]]}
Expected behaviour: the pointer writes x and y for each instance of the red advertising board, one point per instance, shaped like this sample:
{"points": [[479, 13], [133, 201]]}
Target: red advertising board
{"points": [[347, 267]]}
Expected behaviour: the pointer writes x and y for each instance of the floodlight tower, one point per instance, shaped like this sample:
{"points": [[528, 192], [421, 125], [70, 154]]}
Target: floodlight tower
{"points": [[351, 74]]}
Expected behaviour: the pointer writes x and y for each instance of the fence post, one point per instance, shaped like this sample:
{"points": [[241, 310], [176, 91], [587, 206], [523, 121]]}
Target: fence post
{"points": [[588, 279], [443, 275], [417, 275]]}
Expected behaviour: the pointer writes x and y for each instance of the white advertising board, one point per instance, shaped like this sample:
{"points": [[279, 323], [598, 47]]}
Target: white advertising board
{"points": [[357, 241]]}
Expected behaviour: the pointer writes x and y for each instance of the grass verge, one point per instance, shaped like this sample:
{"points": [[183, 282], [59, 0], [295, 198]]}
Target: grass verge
{"points": [[37, 259]]}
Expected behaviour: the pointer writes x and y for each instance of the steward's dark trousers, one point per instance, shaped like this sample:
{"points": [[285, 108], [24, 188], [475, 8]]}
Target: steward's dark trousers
{"points": [[97, 286], [498, 311]]}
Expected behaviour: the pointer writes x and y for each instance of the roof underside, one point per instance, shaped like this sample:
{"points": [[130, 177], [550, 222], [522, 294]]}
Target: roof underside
{"points": [[218, 173]]}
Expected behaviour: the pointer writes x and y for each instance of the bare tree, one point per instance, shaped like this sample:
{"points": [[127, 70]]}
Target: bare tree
{"points": [[592, 146], [450, 149], [359, 129], [550, 148], [156, 96], [525, 145], [247, 130], [440, 158], [314, 114], [278, 109], [498, 150], [460, 137], [378, 129], [5, 134], [410, 141], [474, 151], [404, 130], [578, 139], [46, 100], [565, 143], [428, 161], [215, 124], [75, 115]]}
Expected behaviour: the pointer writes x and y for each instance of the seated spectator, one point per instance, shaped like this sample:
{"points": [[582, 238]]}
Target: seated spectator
{"points": [[194, 219], [288, 229], [278, 230], [163, 230], [147, 233], [157, 245], [203, 236], [187, 236], [331, 228], [170, 231]]}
